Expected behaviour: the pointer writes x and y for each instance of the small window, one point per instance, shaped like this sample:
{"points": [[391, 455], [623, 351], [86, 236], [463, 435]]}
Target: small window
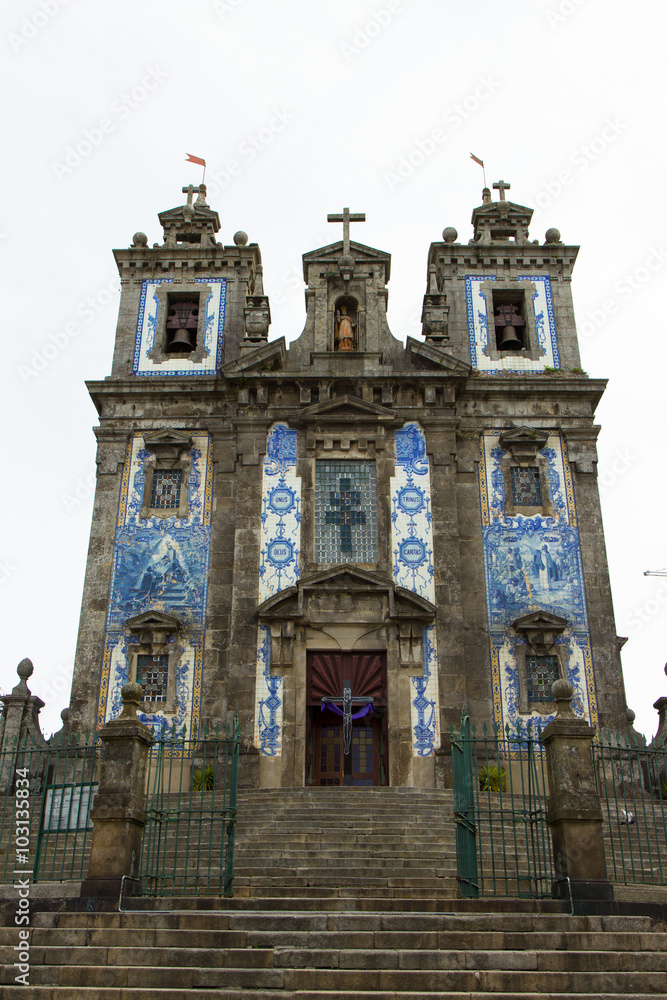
{"points": [[509, 320], [166, 490], [542, 671], [526, 488], [152, 673]]}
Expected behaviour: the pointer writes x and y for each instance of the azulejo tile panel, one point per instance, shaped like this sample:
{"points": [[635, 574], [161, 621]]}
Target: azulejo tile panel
{"points": [[532, 564], [160, 564], [481, 328], [279, 568], [149, 320], [412, 565]]}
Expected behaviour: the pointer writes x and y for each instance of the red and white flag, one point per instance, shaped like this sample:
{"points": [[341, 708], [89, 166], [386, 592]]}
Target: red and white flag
{"points": [[195, 159]]}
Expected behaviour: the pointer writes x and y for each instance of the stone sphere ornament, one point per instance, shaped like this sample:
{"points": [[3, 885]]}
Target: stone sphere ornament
{"points": [[140, 240], [552, 236], [240, 238], [449, 234], [25, 669]]}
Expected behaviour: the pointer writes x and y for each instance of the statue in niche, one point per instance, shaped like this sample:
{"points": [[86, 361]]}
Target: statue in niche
{"points": [[344, 338]]}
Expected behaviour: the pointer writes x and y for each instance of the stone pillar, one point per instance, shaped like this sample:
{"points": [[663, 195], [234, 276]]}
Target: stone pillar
{"points": [[118, 810], [573, 806], [19, 723]]}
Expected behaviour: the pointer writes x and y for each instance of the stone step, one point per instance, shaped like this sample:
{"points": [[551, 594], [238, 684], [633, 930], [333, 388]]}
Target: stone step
{"points": [[373, 958], [150, 993], [362, 980]]}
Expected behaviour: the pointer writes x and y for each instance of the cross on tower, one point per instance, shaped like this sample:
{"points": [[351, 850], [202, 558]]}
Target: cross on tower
{"points": [[501, 186], [345, 517], [191, 190], [346, 218]]}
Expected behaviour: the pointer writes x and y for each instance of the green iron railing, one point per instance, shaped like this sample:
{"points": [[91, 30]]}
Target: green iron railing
{"points": [[503, 843], [188, 840], [46, 792], [632, 785]]}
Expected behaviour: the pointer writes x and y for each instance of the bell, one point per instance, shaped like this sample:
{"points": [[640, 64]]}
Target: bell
{"points": [[182, 343], [509, 341]]}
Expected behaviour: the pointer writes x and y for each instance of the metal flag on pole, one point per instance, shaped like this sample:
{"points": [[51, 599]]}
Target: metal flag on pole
{"points": [[481, 163], [189, 158]]}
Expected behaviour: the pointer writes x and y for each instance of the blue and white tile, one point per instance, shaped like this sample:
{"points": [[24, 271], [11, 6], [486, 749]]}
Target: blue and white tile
{"points": [[481, 328], [269, 713], [412, 565]]}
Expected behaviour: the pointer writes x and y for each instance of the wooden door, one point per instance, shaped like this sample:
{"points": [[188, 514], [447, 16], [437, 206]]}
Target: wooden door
{"points": [[325, 760]]}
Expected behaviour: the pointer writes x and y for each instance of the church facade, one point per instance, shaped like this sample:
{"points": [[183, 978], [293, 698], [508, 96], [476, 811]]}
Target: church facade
{"points": [[349, 537]]}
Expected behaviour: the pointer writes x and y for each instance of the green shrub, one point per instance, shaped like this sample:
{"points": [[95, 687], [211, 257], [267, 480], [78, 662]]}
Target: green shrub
{"points": [[492, 778], [203, 781]]}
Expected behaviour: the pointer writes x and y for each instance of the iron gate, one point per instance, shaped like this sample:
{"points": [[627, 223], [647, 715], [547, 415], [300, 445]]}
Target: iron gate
{"points": [[503, 844], [188, 840]]}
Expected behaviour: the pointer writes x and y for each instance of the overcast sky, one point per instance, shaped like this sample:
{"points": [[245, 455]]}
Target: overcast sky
{"points": [[301, 108]]}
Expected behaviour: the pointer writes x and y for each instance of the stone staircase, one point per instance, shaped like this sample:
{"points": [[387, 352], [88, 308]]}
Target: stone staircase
{"points": [[340, 893]]}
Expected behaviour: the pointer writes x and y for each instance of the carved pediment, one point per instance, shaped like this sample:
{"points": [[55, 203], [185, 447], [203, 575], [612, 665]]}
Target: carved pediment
{"points": [[333, 252], [268, 356], [167, 443], [153, 626], [359, 584], [344, 408], [436, 357], [540, 628], [523, 443]]}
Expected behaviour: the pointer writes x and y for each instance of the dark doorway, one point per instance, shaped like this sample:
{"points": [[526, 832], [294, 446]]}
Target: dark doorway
{"points": [[325, 760]]}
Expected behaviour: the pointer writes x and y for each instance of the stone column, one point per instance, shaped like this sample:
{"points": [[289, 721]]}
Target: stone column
{"points": [[118, 810], [19, 723], [573, 806]]}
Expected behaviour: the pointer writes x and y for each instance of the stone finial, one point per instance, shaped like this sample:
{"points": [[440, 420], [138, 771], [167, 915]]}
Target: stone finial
{"points": [[240, 238], [562, 692], [432, 280], [630, 716], [64, 715], [259, 280], [139, 240], [486, 196], [449, 234], [24, 670], [552, 236], [132, 695]]}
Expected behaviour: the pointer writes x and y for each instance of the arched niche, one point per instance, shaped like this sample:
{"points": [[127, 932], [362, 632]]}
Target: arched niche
{"points": [[346, 332]]}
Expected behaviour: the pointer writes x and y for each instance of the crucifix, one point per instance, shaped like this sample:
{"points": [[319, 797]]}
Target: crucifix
{"points": [[501, 186], [347, 700], [346, 218]]}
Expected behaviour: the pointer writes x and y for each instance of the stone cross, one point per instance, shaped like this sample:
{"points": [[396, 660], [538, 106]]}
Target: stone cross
{"points": [[346, 218], [501, 186], [190, 190]]}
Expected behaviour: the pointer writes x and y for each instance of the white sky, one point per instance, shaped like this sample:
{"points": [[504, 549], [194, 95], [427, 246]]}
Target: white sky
{"points": [[318, 104]]}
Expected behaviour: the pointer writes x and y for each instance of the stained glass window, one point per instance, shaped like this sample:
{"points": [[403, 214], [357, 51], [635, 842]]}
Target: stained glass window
{"points": [[526, 491], [152, 674], [542, 672], [345, 512], [166, 492]]}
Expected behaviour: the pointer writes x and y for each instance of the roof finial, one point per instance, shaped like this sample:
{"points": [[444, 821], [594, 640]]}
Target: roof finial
{"points": [[346, 218], [501, 186]]}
